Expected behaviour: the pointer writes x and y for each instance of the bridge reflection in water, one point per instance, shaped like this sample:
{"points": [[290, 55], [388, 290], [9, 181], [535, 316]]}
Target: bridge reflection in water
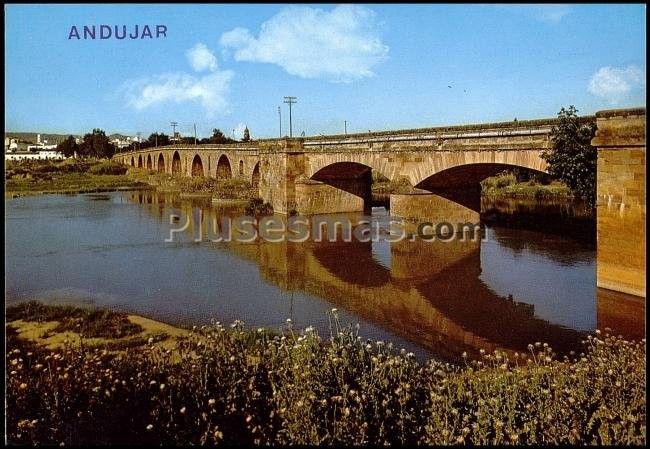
{"points": [[434, 294]]}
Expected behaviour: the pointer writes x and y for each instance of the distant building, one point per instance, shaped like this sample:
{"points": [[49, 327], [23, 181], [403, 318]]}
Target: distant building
{"points": [[20, 151], [34, 155], [121, 142]]}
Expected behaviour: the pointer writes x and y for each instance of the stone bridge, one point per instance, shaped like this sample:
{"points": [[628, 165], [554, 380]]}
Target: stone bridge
{"points": [[441, 169], [331, 174]]}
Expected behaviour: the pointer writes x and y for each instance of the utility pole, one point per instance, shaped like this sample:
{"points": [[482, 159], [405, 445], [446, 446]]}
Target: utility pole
{"points": [[290, 101], [174, 124], [280, 116], [345, 126], [195, 134]]}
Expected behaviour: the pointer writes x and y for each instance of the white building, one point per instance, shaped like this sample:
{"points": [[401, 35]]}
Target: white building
{"points": [[34, 155]]}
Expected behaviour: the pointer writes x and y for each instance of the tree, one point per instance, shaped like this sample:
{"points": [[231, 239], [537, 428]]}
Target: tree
{"points": [[217, 137], [247, 135], [157, 139], [97, 145], [68, 147], [572, 159]]}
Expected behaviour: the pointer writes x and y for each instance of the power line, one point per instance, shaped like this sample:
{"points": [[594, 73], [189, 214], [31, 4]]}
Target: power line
{"points": [[290, 101], [174, 124]]}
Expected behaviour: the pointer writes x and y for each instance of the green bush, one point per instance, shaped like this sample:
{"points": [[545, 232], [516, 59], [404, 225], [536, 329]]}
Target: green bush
{"points": [[108, 168]]}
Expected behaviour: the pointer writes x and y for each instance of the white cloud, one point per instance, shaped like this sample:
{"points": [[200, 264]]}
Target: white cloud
{"points": [[341, 45], [551, 13], [210, 91], [201, 58], [613, 83]]}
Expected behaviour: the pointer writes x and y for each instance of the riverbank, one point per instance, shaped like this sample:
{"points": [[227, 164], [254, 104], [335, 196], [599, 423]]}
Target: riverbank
{"points": [[511, 185], [68, 176], [89, 176], [228, 384]]}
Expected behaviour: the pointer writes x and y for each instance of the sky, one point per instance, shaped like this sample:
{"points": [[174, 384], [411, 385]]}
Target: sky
{"points": [[376, 67]]}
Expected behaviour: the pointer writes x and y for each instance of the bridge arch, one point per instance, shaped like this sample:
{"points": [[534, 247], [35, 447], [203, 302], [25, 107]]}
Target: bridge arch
{"points": [[381, 165], [197, 166], [466, 175], [473, 166], [461, 183], [176, 163], [149, 162], [352, 178], [241, 168], [132, 162], [223, 168], [161, 163], [255, 177], [140, 161]]}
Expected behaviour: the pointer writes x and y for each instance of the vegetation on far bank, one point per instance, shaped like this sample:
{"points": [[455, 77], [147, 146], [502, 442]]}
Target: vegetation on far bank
{"points": [[229, 385], [67, 176], [233, 189], [514, 184]]}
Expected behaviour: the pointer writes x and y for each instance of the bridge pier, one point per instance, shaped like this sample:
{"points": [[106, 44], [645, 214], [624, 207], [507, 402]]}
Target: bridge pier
{"points": [[416, 208], [620, 139]]}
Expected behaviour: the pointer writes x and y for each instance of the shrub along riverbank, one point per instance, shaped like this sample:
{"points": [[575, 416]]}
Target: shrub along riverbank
{"points": [[68, 176], [231, 385]]}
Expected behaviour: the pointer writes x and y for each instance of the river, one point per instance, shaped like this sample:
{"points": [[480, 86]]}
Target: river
{"points": [[518, 285]]}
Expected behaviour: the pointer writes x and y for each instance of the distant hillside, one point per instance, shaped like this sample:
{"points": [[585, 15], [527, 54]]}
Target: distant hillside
{"points": [[31, 137], [117, 136]]}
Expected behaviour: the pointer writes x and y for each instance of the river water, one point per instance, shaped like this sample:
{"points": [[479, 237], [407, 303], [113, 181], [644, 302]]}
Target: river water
{"points": [[519, 284]]}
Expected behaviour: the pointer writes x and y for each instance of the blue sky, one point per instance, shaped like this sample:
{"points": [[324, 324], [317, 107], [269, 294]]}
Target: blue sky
{"points": [[376, 66]]}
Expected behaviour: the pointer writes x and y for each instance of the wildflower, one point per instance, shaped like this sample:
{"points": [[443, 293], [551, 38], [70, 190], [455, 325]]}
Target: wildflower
{"points": [[23, 386], [183, 410], [334, 310], [464, 355], [162, 387], [211, 401], [150, 427], [150, 341]]}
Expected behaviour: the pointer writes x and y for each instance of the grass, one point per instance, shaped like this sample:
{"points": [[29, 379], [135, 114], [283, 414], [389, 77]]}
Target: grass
{"points": [[68, 176], [507, 184], [230, 385], [232, 189], [54, 326]]}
